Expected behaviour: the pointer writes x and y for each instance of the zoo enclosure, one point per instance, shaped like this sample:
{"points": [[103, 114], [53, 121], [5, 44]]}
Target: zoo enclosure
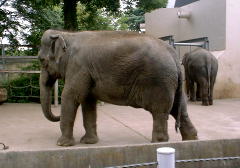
{"points": [[202, 42], [6, 72]]}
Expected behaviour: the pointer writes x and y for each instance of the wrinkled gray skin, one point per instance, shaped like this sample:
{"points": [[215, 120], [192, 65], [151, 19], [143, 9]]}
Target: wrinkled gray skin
{"points": [[121, 68], [201, 68]]}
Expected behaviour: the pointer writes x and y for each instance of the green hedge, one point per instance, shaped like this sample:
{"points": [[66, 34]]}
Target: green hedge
{"points": [[25, 87]]}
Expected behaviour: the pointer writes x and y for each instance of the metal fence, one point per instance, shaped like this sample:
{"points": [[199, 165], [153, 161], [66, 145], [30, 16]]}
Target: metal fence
{"points": [[196, 42], [185, 46], [34, 89], [155, 164], [14, 89], [7, 75]]}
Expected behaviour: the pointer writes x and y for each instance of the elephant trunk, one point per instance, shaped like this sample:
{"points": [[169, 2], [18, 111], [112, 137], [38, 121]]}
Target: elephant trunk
{"points": [[45, 96]]}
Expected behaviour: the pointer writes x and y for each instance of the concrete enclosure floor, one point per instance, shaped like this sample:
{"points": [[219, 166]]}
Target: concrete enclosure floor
{"points": [[23, 126]]}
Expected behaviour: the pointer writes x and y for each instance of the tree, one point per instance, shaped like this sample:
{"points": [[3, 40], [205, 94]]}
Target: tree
{"points": [[135, 10], [98, 19], [70, 9], [23, 21]]}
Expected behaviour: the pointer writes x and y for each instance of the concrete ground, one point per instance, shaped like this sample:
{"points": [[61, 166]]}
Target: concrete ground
{"points": [[23, 126]]}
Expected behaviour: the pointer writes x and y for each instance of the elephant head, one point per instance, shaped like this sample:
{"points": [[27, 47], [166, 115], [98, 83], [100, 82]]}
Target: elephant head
{"points": [[53, 48]]}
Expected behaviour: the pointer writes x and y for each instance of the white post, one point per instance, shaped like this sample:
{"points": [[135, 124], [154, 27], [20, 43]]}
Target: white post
{"points": [[56, 94], [166, 157]]}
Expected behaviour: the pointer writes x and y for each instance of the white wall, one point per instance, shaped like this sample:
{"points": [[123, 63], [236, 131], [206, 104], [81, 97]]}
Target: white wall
{"points": [[217, 19], [208, 19], [228, 80]]}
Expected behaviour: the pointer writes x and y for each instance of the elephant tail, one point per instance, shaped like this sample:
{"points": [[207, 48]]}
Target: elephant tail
{"points": [[209, 67], [178, 104]]}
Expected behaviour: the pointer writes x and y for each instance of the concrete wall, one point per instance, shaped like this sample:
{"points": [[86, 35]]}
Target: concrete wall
{"points": [[208, 19], [228, 79], [216, 19], [101, 157]]}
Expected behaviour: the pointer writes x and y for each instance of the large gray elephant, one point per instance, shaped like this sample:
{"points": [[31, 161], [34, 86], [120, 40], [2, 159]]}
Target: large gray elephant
{"points": [[122, 68], [201, 68]]}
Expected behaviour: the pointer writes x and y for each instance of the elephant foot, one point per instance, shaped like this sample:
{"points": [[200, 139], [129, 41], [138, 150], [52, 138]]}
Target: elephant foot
{"points": [[89, 139], [64, 141], [199, 99], [205, 103], [160, 138], [192, 99], [189, 135], [210, 102]]}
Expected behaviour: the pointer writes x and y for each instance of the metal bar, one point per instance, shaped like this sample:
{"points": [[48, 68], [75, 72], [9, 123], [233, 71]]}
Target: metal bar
{"points": [[25, 96], [135, 165], [194, 40], [16, 71], [188, 44], [177, 161], [20, 57], [207, 159], [24, 45]]}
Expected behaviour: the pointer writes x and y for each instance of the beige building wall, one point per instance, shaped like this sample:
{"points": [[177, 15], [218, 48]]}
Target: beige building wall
{"points": [[228, 79], [207, 19], [216, 19]]}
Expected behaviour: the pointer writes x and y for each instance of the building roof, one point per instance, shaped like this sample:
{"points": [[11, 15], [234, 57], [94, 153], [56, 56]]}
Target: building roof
{"points": [[180, 3]]}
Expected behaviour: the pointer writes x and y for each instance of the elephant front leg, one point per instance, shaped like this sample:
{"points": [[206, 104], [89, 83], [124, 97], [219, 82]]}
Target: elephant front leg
{"points": [[68, 114], [160, 128], [89, 121]]}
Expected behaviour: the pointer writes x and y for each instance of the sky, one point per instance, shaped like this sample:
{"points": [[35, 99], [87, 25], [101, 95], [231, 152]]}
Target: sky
{"points": [[171, 3]]}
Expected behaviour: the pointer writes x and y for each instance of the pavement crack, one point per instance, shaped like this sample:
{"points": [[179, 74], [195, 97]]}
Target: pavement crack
{"points": [[136, 132]]}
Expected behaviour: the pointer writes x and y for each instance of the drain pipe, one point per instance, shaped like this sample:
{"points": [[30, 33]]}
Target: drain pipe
{"points": [[166, 157], [184, 14]]}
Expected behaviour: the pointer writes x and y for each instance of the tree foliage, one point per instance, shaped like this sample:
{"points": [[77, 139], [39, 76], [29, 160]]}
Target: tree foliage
{"points": [[23, 20], [135, 10], [27, 19]]}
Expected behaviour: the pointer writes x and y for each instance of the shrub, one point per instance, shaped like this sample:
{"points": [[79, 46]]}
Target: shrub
{"points": [[25, 87]]}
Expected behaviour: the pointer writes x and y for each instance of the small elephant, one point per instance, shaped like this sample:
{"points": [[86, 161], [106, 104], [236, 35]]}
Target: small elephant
{"points": [[201, 68], [122, 68]]}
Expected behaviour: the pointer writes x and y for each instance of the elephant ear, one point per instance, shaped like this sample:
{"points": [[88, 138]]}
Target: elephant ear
{"points": [[57, 39]]}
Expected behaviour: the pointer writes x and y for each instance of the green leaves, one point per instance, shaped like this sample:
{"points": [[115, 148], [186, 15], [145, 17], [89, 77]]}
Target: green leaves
{"points": [[148, 5], [135, 10]]}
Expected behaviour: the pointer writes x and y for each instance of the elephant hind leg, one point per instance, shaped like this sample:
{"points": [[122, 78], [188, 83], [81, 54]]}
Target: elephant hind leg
{"points": [[192, 91], [89, 120], [159, 107], [187, 129], [160, 127], [211, 90], [205, 92], [198, 93]]}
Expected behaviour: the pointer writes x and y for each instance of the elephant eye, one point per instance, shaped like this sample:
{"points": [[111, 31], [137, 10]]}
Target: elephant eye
{"points": [[41, 59]]}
